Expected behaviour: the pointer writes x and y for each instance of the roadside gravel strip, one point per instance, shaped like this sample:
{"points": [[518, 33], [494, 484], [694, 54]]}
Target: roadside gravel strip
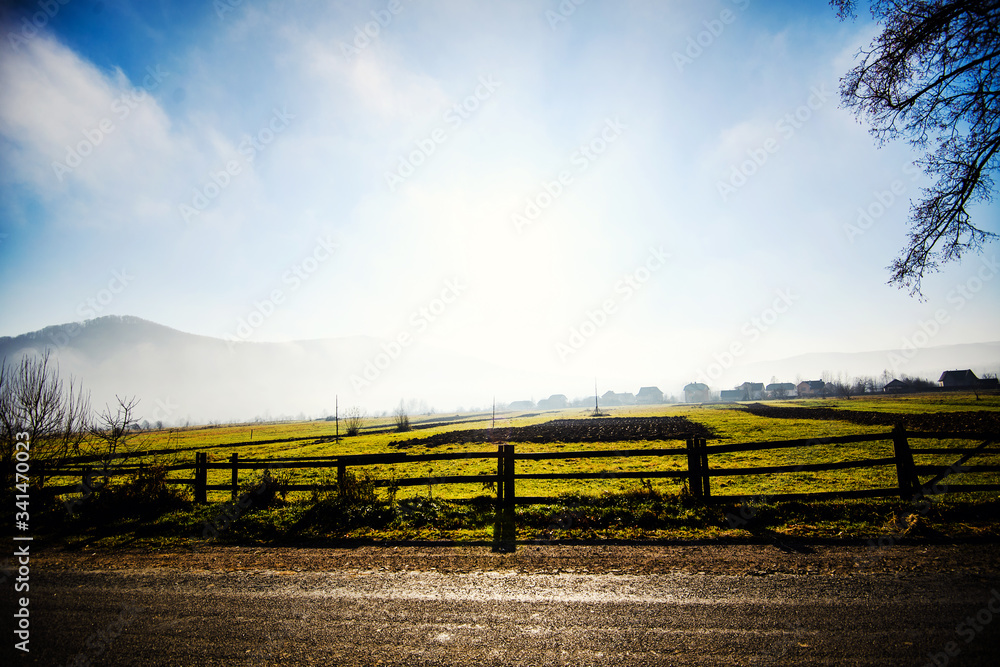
{"points": [[752, 559]]}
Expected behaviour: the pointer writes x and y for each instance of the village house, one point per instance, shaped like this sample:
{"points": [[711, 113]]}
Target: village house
{"points": [[697, 392], [897, 387], [811, 388], [649, 396], [958, 379], [752, 391], [781, 390], [554, 402]]}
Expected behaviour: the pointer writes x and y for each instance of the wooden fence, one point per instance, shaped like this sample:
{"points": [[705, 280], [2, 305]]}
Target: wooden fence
{"points": [[697, 475]]}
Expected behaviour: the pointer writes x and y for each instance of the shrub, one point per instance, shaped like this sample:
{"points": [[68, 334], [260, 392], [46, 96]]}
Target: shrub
{"points": [[143, 494]]}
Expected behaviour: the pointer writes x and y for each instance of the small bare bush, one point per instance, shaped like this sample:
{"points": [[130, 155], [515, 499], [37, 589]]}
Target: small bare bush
{"points": [[354, 420], [401, 419]]}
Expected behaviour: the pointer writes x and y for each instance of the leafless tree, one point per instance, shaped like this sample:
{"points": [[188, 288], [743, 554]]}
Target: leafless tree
{"points": [[114, 434], [401, 419], [354, 420], [933, 77], [35, 401]]}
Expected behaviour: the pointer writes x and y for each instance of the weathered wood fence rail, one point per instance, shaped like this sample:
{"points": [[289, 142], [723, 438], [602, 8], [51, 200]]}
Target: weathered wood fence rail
{"points": [[697, 475]]}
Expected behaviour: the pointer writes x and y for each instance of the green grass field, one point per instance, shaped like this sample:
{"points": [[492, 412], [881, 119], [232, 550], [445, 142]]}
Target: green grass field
{"points": [[730, 426], [659, 499]]}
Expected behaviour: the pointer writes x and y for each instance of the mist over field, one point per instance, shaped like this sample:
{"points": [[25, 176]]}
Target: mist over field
{"points": [[183, 378], [236, 210]]}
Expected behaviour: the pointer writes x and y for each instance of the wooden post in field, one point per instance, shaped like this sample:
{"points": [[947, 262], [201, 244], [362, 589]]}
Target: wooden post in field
{"points": [[201, 478], [703, 466], [234, 460], [509, 530], [499, 509], [906, 472], [694, 465], [341, 477]]}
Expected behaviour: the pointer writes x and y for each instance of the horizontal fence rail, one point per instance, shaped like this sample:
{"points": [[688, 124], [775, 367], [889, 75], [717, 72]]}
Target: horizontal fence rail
{"points": [[697, 473]]}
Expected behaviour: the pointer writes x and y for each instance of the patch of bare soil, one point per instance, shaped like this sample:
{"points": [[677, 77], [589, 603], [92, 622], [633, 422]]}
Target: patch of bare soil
{"points": [[608, 429], [980, 421]]}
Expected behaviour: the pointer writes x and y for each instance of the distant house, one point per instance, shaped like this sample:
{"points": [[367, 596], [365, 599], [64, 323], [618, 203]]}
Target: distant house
{"points": [[964, 378], [730, 395], [811, 388], [781, 390], [521, 405], [554, 402], [649, 396], [988, 383], [696, 392], [752, 391], [610, 398], [897, 387]]}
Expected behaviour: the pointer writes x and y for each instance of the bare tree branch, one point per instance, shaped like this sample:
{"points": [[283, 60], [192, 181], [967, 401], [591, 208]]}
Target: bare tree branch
{"points": [[932, 78]]}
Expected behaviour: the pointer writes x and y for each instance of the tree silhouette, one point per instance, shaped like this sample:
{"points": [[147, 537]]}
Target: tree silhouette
{"points": [[933, 77]]}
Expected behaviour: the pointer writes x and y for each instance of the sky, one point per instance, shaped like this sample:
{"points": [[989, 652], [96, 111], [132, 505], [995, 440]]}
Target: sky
{"points": [[579, 188]]}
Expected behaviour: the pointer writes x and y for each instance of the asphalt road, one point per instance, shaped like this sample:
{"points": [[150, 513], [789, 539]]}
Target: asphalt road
{"points": [[357, 616]]}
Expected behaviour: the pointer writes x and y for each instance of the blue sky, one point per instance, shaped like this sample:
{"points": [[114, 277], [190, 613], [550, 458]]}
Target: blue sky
{"points": [[269, 172]]}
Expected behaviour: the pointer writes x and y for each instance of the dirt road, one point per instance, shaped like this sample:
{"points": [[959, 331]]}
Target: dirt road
{"points": [[579, 605]]}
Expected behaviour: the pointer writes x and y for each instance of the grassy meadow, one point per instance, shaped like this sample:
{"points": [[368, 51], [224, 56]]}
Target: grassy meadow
{"points": [[631, 508], [729, 425]]}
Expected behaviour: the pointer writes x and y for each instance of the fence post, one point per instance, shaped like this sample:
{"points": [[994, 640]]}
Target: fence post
{"points": [[499, 508], [694, 465], [509, 532], [906, 471], [703, 466], [235, 461], [88, 480], [200, 478], [341, 477]]}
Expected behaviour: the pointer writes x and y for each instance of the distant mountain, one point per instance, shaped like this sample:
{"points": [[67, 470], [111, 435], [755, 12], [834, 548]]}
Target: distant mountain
{"points": [[182, 377]]}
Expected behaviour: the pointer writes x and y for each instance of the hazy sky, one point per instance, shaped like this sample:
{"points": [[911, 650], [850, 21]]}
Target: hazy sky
{"points": [[588, 188]]}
